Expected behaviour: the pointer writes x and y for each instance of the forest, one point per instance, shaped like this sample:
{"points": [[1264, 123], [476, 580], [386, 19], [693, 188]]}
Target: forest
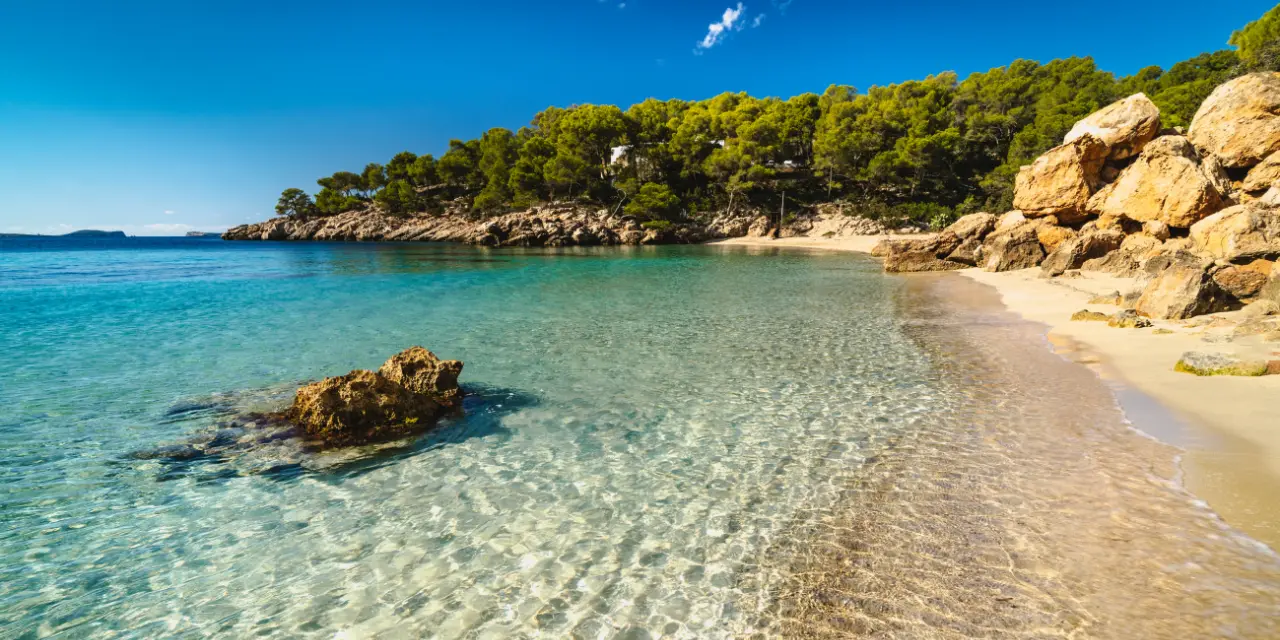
{"points": [[922, 151]]}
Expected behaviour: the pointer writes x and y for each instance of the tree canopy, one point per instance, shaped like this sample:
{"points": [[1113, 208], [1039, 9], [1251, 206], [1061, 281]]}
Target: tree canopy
{"points": [[925, 149]]}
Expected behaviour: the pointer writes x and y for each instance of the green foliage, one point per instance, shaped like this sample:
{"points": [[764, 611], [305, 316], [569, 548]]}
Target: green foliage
{"points": [[658, 225], [1258, 43], [920, 151], [653, 201], [295, 202], [399, 197]]}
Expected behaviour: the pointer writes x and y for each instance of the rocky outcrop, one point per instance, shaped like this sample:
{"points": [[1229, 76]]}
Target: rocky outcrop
{"points": [[363, 406], [1240, 232], [1073, 253], [1164, 184], [421, 372], [918, 261], [1060, 182], [1125, 126], [1240, 121], [1012, 249], [1182, 289]]}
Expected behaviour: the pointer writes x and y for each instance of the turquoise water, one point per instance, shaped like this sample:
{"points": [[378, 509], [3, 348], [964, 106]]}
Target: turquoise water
{"points": [[643, 423]]}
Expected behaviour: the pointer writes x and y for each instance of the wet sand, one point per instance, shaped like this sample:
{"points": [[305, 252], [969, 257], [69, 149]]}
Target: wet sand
{"points": [[1227, 427], [1029, 510]]}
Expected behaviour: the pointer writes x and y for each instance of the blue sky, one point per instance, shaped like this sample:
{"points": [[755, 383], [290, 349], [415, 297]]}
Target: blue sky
{"points": [[162, 117]]}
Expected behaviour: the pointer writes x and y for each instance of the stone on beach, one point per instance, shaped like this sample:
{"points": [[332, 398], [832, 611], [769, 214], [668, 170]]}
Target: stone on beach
{"points": [[1242, 231], [1013, 249], [1128, 319], [1085, 315], [1181, 290], [1061, 181], [1202, 363], [1166, 184], [1073, 253]]}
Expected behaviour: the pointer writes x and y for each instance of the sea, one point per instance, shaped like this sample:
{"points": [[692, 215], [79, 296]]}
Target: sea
{"points": [[657, 442]]}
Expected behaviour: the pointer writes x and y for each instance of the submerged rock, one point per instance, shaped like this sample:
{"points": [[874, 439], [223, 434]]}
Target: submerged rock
{"points": [[420, 371]]}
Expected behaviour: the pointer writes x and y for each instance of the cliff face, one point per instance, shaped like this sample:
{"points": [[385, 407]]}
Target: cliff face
{"points": [[553, 225]]}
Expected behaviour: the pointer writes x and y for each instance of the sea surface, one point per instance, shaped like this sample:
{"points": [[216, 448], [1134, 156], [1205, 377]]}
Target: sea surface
{"points": [[695, 442]]}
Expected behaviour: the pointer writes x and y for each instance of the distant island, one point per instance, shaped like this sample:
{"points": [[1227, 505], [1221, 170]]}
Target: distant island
{"points": [[83, 233], [203, 234]]}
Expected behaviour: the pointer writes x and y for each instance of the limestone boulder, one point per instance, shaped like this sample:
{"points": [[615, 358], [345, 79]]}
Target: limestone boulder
{"points": [[1009, 220], [1241, 282], [1073, 253], [1264, 176], [1182, 289], [1164, 184], [1060, 182], [918, 261], [1125, 126], [1240, 121], [1051, 236], [1012, 249], [1202, 363], [360, 407], [974, 224], [421, 372], [1240, 232]]}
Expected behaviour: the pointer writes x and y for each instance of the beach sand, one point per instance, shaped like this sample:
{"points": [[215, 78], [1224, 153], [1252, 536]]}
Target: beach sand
{"points": [[1229, 427]]}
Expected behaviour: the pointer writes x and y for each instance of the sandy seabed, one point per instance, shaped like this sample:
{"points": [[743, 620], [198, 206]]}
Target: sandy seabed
{"points": [[1036, 511]]}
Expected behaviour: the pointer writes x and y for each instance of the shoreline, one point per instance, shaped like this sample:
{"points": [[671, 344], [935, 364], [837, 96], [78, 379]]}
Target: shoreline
{"points": [[1231, 459]]}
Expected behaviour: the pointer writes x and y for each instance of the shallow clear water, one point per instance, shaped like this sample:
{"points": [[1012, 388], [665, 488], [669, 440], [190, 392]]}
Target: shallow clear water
{"points": [[660, 442]]}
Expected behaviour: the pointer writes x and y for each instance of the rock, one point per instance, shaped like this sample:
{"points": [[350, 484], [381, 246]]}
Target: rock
{"points": [[1074, 252], [974, 224], [969, 252], [421, 372], [360, 407], [1108, 298], [1240, 121], [1263, 176], [1240, 282], [885, 247], [1161, 331], [1257, 326], [1239, 232], [1202, 363], [1260, 309], [1125, 126], [1181, 290], [1165, 183], [1012, 249], [1085, 315], [1128, 319], [917, 261], [1051, 236], [1156, 229], [1009, 220], [1060, 182], [1271, 198]]}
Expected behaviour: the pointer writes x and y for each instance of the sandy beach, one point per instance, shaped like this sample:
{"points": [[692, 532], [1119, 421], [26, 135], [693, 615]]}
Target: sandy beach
{"points": [[1229, 427]]}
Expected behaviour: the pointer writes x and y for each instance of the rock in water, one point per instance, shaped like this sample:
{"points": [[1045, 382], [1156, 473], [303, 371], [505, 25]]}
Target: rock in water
{"points": [[360, 407], [1125, 126], [1219, 364], [420, 371], [1060, 182], [1240, 121]]}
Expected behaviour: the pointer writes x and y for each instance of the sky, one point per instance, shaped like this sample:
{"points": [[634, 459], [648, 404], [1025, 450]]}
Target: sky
{"points": [[161, 117]]}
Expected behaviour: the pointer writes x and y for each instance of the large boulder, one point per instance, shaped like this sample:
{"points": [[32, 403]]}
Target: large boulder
{"points": [[1240, 121], [421, 372], [1182, 289], [1165, 183], [1242, 283], [360, 407], [1012, 249], [918, 261], [974, 224], [1051, 236], [1060, 182], [1240, 232], [1263, 176], [1125, 126], [1073, 253]]}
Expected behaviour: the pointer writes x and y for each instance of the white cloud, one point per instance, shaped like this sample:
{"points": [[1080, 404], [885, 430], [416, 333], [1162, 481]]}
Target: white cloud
{"points": [[782, 5], [716, 30], [759, 19], [169, 212]]}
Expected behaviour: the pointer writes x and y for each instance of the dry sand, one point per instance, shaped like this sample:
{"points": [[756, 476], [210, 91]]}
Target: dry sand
{"points": [[1229, 427]]}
